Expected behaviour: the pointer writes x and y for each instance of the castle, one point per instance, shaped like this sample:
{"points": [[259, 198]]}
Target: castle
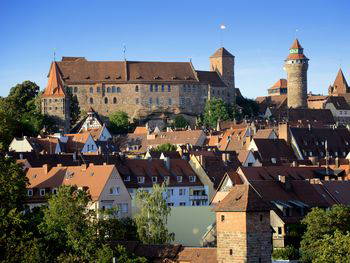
{"points": [[136, 87]]}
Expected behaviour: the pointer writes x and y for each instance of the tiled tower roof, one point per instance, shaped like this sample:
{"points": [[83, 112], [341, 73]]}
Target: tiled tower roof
{"points": [[222, 52], [54, 86], [296, 51], [340, 81], [281, 83], [296, 45]]}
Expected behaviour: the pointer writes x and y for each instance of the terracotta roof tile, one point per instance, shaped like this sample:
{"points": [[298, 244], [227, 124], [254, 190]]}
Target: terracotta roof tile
{"points": [[54, 86], [340, 83], [296, 45]]}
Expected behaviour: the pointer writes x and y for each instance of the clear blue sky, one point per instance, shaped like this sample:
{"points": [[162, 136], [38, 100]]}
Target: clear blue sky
{"points": [[258, 33]]}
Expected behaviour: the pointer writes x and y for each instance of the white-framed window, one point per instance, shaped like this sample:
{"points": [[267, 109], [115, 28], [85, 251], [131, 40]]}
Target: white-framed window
{"points": [[179, 179], [140, 179], [182, 204], [154, 179], [54, 191], [170, 204], [127, 178], [170, 192], [182, 191], [30, 192], [192, 179], [114, 190], [273, 160], [123, 208], [42, 191]]}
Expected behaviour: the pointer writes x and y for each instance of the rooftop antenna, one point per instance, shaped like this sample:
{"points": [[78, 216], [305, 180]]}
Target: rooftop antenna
{"points": [[124, 52], [222, 28]]}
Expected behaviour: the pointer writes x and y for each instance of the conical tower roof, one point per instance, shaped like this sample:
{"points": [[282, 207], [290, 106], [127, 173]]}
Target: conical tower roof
{"points": [[222, 52], [296, 45], [54, 86], [340, 80]]}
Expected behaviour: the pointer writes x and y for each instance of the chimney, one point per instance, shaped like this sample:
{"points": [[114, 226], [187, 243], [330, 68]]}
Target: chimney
{"points": [[336, 162], [283, 132], [83, 167], [59, 165], [167, 162], [46, 168], [285, 182], [104, 163]]}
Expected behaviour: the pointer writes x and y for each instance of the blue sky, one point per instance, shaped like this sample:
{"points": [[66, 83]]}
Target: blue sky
{"points": [[258, 33]]}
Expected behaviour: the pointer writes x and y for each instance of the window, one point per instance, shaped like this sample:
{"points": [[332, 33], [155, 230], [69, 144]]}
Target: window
{"points": [[182, 204], [222, 218], [54, 191], [106, 100], [273, 160], [98, 89], [169, 101], [150, 101], [156, 88], [137, 88], [127, 178], [162, 87], [114, 190], [166, 179], [261, 218], [169, 88], [192, 179], [279, 230], [125, 208], [170, 192], [113, 89], [151, 88], [140, 179], [170, 204], [154, 179], [182, 191], [91, 101], [42, 192], [30, 192], [137, 101], [108, 90], [182, 101], [119, 90], [75, 89], [231, 252], [91, 89], [179, 179], [103, 89], [114, 100]]}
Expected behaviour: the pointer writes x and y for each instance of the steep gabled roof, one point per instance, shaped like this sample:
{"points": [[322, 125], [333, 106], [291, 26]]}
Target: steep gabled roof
{"points": [[242, 198], [281, 83], [222, 52], [340, 82], [54, 85], [296, 45]]}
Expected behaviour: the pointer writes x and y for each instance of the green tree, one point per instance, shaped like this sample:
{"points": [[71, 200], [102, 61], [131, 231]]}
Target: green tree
{"points": [[152, 218], [215, 110], [165, 147], [321, 225], [249, 107], [119, 122], [74, 108], [180, 122]]}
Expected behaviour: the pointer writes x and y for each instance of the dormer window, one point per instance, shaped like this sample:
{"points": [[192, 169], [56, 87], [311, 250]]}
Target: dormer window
{"points": [[154, 179], [127, 178], [54, 191], [30, 192], [179, 179], [42, 192], [273, 160], [140, 179], [192, 179]]}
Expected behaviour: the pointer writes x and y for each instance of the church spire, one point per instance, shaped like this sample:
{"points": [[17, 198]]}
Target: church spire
{"points": [[54, 85]]}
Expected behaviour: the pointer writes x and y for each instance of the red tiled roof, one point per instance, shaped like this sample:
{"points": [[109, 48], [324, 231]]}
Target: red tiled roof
{"points": [[281, 83], [296, 45], [54, 86]]}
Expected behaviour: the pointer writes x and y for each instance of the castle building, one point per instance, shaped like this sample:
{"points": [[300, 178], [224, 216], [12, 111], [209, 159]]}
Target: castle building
{"points": [[296, 66], [340, 85], [54, 100], [140, 88], [279, 88]]}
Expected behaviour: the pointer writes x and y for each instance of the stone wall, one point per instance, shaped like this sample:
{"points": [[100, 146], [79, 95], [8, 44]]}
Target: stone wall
{"points": [[58, 108], [297, 84]]}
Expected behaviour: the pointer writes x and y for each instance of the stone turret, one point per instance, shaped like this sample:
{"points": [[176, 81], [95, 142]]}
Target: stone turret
{"points": [[54, 100], [223, 62], [243, 227], [296, 66], [340, 85]]}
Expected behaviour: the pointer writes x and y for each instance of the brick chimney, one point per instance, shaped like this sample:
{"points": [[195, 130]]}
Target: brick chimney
{"points": [[46, 168], [283, 132]]}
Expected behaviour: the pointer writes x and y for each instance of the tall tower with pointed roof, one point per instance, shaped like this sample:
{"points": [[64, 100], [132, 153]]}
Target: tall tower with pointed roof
{"points": [[223, 62], [54, 100], [340, 86], [296, 66], [243, 227]]}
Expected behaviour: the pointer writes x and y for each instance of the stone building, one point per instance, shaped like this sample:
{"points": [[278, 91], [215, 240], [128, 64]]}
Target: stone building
{"points": [[279, 88], [296, 66], [140, 88], [54, 101], [340, 85]]}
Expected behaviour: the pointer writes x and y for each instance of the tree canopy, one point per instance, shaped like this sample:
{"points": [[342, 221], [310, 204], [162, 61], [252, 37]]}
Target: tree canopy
{"points": [[180, 122], [152, 218], [165, 147], [119, 122], [215, 110]]}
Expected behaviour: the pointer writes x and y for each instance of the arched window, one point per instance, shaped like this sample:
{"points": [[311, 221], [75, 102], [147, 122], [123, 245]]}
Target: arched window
{"points": [[103, 89], [98, 89], [113, 89], [118, 90], [162, 87], [106, 100], [75, 89], [108, 90], [114, 100], [91, 101], [91, 89], [137, 88]]}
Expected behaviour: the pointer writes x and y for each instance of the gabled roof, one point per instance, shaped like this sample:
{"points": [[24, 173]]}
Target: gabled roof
{"points": [[210, 77], [296, 45], [54, 85], [222, 52], [340, 82], [275, 148], [281, 83], [242, 198], [339, 102]]}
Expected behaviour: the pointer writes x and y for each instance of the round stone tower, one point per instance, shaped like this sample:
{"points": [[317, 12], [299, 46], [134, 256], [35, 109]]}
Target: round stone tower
{"points": [[296, 66]]}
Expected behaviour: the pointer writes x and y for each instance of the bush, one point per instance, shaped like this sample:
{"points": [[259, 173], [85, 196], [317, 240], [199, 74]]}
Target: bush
{"points": [[287, 253]]}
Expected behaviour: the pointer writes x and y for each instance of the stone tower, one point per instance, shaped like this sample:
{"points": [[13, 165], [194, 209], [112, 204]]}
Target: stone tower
{"points": [[54, 100], [223, 62], [340, 85], [243, 227], [296, 66]]}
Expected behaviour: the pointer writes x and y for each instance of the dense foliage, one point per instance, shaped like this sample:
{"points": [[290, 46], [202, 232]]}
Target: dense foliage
{"points": [[165, 147], [287, 253], [327, 237], [180, 122], [215, 110], [119, 122], [152, 218], [74, 109]]}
